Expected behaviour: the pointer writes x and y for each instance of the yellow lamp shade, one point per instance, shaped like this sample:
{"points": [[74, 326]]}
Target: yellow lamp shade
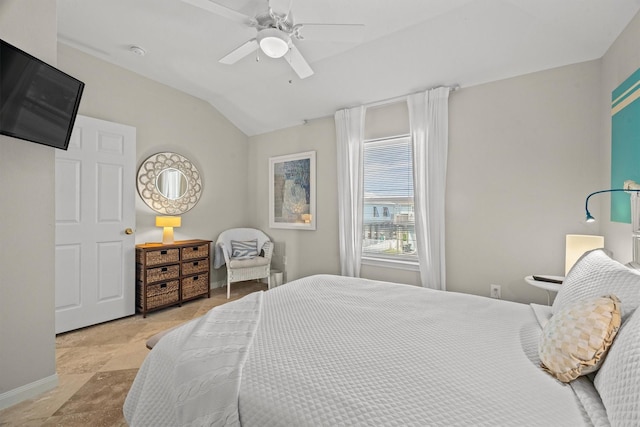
{"points": [[168, 221]]}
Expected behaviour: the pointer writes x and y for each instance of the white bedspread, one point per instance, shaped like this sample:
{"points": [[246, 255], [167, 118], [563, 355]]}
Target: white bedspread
{"points": [[192, 375], [333, 351]]}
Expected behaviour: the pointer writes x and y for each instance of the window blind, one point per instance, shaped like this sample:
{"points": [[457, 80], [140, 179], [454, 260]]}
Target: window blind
{"points": [[388, 216]]}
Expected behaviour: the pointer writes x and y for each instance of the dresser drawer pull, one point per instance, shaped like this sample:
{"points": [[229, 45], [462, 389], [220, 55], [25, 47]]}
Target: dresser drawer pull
{"points": [[163, 252], [195, 248], [195, 263], [163, 285], [195, 277], [164, 269]]}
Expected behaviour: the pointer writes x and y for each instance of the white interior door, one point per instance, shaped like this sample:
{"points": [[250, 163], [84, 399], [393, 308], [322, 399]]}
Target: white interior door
{"points": [[95, 205]]}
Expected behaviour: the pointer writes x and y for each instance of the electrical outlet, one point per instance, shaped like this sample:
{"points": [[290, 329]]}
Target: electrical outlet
{"points": [[284, 260], [495, 291]]}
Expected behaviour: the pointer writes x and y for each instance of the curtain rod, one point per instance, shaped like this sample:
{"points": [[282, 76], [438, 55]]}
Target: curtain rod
{"points": [[452, 88]]}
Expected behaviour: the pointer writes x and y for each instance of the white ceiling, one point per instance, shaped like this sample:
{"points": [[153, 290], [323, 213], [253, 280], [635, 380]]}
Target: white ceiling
{"points": [[407, 45]]}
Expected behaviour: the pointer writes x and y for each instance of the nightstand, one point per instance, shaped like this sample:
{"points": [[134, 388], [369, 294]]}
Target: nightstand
{"points": [[170, 274], [547, 286]]}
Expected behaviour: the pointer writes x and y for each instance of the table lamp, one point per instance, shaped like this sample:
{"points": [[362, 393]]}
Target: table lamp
{"points": [[168, 222], [577, 245]]}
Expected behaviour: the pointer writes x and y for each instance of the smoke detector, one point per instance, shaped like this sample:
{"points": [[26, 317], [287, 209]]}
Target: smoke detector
{"points": [[137, 50]]}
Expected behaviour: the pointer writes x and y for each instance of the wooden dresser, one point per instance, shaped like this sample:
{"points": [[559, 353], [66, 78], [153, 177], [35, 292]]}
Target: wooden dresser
{"points": [[169, 274]]}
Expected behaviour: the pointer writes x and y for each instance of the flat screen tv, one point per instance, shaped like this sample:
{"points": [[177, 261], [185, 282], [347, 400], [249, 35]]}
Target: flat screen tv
{"points": [[38, 102]]}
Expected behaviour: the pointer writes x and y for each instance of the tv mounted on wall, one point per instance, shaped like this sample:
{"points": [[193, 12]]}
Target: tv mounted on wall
{"points": [[38, 102]]}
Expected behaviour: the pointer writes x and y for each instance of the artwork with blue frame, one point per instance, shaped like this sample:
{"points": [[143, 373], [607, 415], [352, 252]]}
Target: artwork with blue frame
{"points": [[625, 144]]}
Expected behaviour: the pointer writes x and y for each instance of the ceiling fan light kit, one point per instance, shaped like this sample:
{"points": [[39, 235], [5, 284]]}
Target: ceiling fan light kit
{"points": [[277, 34], [273, 42]]}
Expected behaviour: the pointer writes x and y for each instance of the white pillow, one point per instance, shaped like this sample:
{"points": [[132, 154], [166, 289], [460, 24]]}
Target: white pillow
{"points": [[618, 380], [596, 274]]}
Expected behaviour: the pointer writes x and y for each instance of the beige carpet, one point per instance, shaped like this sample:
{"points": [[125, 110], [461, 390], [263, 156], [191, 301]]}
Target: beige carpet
{"points": [[96, 366]]}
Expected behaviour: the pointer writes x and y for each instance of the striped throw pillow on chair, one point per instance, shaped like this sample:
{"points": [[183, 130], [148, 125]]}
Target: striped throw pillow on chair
{"points": [[244, 249]]}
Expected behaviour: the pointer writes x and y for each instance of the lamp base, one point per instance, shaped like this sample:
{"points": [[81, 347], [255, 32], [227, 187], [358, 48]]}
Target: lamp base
{"points": [[167, 235]]}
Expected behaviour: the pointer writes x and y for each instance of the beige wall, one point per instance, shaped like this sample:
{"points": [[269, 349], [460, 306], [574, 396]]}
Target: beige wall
{"points": [[169, 120], [27, 337], [307, 252], [522, 154], [621, 60]]}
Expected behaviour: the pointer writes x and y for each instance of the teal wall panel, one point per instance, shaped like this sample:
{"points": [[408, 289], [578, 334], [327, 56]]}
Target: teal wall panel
{"points": [[625, 144]]}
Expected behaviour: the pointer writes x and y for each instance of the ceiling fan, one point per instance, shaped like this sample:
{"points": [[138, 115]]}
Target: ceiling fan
{"points": [[276, 32]]}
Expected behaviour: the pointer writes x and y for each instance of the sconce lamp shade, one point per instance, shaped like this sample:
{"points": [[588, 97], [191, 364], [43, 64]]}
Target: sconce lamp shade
{"points": [[168, 222], [577, 245]]}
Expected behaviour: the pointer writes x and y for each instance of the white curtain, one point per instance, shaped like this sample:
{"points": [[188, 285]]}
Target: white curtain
{"points": [[349, 136], [428, 120]]}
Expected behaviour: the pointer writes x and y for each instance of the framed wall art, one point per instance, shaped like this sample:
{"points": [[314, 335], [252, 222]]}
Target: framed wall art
{"points": [[292, 191]]}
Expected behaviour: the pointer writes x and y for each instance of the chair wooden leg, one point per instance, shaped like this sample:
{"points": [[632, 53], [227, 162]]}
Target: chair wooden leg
{"points": [[269, 281], [228, 289]]}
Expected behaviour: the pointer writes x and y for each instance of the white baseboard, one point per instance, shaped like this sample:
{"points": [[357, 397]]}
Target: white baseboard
{"points": [[27, 391]]}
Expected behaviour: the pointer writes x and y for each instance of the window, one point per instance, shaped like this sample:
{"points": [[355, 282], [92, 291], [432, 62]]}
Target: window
{"points": [[388, 188]]}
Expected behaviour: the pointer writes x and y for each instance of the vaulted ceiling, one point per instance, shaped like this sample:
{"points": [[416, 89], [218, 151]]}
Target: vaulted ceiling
{"points": [[403, 46]]}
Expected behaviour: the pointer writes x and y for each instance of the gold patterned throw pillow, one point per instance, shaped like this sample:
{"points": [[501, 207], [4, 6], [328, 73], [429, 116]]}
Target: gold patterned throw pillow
{"points": [[576, 339]]}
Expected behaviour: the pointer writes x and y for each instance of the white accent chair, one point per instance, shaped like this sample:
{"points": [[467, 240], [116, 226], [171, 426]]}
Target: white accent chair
{"points": [[239, 270]]}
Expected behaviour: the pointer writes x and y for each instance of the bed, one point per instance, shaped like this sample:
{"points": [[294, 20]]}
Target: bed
{"points": [[335, 351]]}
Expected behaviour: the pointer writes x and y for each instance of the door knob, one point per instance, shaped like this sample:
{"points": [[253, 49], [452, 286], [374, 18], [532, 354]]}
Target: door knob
{"points": [[128, 231]]}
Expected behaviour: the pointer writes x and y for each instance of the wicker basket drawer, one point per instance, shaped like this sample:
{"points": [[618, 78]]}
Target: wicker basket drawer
{"points": [[195, 286], [165, 273], [160, 294], [161, 256], [195, 267], [193, 252]]}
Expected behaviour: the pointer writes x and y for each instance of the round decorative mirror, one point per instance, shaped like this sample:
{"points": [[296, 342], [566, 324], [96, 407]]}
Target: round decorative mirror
{"points": [[172, 183], [169, 183]]}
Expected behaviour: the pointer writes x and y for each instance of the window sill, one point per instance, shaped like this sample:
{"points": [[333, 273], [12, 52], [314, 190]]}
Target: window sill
{"points": [[391, 263]]}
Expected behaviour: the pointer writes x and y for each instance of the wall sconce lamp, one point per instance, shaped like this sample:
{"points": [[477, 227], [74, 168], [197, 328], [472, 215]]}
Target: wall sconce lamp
{"points": [[629, 186], [168, 222]]}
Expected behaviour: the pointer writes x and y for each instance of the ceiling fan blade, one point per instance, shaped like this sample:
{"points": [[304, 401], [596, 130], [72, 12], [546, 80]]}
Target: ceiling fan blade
{"points": [[240, 52], [347, 33], [298, 63], [221, 10]]}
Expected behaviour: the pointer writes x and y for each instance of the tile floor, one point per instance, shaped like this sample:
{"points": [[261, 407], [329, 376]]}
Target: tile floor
{"points": [[96, 366]]}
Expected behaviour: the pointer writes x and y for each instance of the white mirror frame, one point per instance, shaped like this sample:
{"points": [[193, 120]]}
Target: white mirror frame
{"points": [[148, 174]]}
